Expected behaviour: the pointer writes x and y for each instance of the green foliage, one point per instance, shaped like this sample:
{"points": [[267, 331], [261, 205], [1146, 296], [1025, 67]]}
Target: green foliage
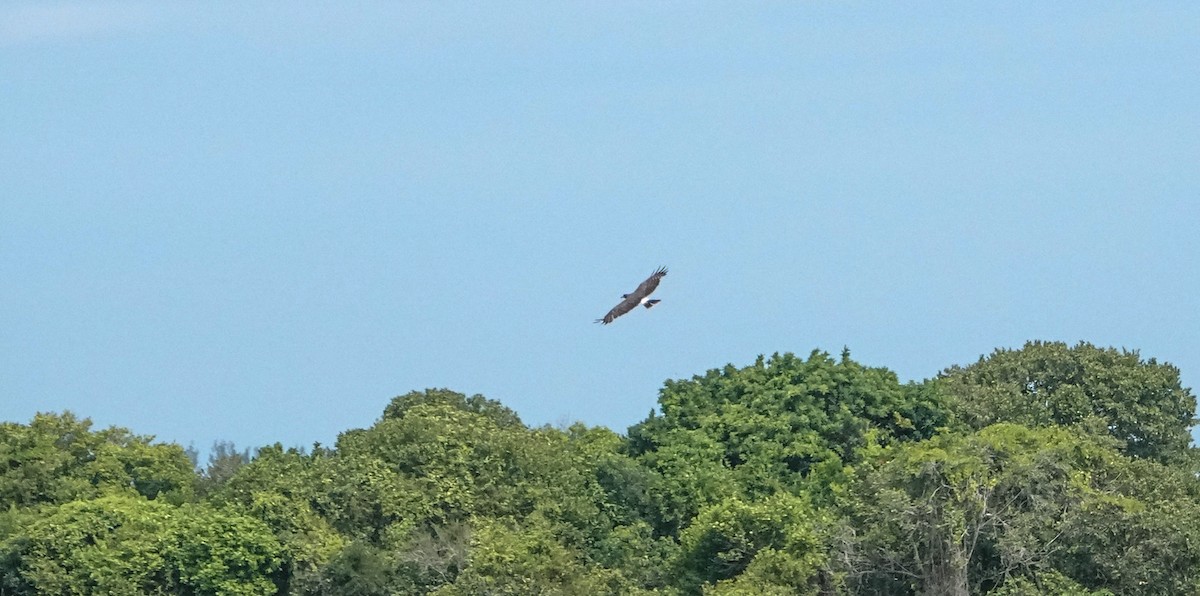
{"points": [[476, 404], [462, 462], [958, 512], [408, 487], [223, 462], [778, 533], [435, 556], [358, 570], [456, 464], [57, 458], [222, 552], [964, 513], [109, 545], [365, 497], [284, 490], [1042, 470], [507, 559], [1048, 582], [761, 429], [772, 573], [1137, 532], [644, 560], [1139, 402], [125, 544]]}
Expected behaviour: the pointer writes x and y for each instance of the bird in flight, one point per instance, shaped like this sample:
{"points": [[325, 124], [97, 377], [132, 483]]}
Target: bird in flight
{"points": [[639, 296]]}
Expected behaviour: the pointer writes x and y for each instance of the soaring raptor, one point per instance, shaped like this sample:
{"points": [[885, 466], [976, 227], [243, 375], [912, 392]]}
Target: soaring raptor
{"points": [[639, 296]]}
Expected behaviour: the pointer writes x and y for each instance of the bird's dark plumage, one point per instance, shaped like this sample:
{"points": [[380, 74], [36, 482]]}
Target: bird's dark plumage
{"points": [[639, 296]]}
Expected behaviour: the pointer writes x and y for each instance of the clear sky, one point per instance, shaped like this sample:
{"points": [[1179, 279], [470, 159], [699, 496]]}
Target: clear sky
{"points": [[260, 222]]}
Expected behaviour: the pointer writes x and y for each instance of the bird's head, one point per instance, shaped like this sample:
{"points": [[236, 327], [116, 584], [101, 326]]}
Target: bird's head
{"points": [[624, 295]]}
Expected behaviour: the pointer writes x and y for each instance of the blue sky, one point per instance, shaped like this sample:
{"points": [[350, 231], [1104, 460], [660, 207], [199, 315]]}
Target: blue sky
{"points": [[260, 223]]}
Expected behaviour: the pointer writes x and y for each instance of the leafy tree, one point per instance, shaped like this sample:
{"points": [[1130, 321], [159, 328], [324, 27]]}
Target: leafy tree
{"points": [[125, 544], [437, 464], [286, 490], [1140, 402], [358, 570], [642, 558], [507, 559], [778, 537], [1045, 582], [223, 462], [959, 514], [475, 404], [955, 514], [111, 545], [691, 465], [1137, 532], [461, 462], [57, 458], [366, 498], [436, 556], [216, 551], [754, 431], [1050, 469]]}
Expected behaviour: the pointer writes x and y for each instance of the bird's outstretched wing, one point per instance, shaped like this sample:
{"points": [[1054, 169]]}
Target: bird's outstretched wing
{"points": [[645, 288], [625, 306]]}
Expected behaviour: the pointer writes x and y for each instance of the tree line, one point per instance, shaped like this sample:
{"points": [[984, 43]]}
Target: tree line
{"points": [[1049, 469]]}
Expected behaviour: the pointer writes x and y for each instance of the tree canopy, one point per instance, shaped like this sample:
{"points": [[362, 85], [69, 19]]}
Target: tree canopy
{"points": [[1139, 402], [1045, 469]]}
